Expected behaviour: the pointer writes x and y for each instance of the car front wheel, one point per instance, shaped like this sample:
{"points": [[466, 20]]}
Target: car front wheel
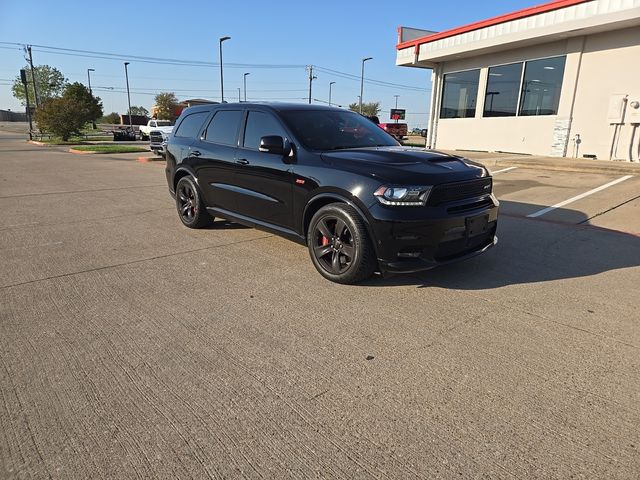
{"points": [[339, 244], [191, 210]]}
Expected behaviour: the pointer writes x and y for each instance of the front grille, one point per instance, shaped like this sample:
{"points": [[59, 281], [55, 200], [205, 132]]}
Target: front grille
{"points": [[451, 192], [155, 137]]}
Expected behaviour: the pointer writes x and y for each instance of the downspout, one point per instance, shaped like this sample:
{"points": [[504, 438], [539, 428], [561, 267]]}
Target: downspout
{"points": [[573, 98], [436, 82]]}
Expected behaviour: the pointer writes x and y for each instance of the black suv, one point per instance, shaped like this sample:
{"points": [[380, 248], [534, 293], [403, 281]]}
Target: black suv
{"points": [[332, 180]]}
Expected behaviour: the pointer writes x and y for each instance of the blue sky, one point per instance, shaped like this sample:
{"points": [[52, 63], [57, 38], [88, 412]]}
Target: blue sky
{"points": [[331, 34]]}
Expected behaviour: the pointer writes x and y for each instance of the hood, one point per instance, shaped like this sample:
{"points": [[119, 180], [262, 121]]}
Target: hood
{"points": [[396, 164]]}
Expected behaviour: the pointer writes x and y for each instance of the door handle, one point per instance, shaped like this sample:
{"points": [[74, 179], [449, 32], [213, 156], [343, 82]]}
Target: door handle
{"points": [[196, 153], [242, 161]]}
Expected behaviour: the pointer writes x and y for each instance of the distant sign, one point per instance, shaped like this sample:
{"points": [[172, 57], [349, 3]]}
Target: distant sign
{"points": [[397, 114]]}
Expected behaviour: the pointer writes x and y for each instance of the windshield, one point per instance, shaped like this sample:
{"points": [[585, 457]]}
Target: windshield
{"points": [[164, 123], [335, 130]]}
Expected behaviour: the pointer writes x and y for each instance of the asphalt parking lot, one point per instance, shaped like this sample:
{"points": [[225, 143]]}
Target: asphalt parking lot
{"points": [[132, 347]]}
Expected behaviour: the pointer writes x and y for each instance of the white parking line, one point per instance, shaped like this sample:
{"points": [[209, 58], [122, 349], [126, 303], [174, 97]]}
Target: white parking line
{"points": [[503, 170], [578, 197]]}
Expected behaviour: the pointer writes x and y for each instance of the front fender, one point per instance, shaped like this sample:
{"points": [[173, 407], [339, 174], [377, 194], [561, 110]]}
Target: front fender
{"points": [[320, 199]]}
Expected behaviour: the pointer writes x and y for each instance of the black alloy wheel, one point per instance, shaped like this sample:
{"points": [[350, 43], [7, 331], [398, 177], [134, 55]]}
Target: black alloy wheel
{"points": [[189, 204], [339, 244], [333, 244]]}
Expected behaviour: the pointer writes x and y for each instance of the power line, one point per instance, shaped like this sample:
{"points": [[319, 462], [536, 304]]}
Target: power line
{"points": [[147, 59], [198, 63], [371, 81]]}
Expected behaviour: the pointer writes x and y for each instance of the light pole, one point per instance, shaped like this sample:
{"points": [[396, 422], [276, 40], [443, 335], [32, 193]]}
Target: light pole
{"points": [[396, 104], [89, 70], [222, 39], [330, 83], [362, 81], [244, 78], [126, 74]]}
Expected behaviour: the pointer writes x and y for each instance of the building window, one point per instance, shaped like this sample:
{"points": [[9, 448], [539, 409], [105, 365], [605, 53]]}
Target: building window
{"points": [[460, 94], [503, 87], [541, 86]]}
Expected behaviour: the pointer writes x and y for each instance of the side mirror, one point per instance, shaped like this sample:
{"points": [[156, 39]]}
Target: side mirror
{"points": [[272, 144]]}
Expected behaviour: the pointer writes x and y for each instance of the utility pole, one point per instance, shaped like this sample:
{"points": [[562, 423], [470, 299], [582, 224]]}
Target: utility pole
{"points": [[89, 70], [23, 77], [311, 79], [362, 81], [33, 78], [126, 74], [330, 83]]}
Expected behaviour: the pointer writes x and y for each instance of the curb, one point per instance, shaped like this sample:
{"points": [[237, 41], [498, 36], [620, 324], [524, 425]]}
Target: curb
{"points": [[42, 144], [560, 164], [82, 152], [614, 169], [149, 159]]}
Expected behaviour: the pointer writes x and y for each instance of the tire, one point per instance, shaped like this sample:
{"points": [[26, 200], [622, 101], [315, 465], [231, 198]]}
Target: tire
{"points": [[143, 136], [191, 209], [339, 244]]}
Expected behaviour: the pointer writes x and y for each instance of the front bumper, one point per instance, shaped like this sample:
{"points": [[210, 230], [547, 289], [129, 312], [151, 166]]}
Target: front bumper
{"points": [[414, 239], [159, 149]]}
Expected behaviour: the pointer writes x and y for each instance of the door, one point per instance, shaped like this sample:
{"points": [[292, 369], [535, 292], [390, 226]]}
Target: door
{"points": [[179, 149], [263, 179], [215, 151]]}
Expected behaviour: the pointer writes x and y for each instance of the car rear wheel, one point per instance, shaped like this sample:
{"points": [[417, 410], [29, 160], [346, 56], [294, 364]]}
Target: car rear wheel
{"points": [[339, 244], [191, 210]]}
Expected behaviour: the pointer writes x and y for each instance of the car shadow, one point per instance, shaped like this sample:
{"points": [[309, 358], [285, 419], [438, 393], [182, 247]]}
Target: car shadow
{"points": [[220, 224], [531, 250]]}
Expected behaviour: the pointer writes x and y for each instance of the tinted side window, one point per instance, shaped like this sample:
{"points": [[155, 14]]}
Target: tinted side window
{"points": [[503, 88], [459, 94], [542, 86], [223, 127], [260, 125], [190, 125]]}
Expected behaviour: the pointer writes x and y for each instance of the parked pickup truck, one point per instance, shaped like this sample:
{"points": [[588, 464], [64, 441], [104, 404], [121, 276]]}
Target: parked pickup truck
{"points": [[397, 130], [162, 125], [158, 142]]}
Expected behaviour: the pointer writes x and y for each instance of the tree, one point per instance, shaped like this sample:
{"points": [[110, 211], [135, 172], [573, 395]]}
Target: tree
{"points": [[113, 117], [166, 104], [370, 109], [90, 105], [49, 80], [60, 116], [139, 111], [67, 115]]}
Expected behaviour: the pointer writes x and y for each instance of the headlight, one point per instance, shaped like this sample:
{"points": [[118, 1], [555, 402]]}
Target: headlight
{"points": [[403, 196]]}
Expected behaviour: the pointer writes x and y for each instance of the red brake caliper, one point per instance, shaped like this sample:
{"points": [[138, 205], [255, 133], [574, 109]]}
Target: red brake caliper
{"points": [[325, 241]]}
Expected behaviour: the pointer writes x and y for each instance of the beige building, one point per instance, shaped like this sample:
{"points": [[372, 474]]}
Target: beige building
{"points": [[560, 79]]}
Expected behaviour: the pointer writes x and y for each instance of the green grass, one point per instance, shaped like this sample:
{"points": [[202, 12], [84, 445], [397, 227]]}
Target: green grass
{"points": [[76, 140], [110, 149]]}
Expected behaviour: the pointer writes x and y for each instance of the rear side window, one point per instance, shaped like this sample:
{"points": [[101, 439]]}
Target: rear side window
{"points": [[190, 126], [260, 125], [223, 127]]}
